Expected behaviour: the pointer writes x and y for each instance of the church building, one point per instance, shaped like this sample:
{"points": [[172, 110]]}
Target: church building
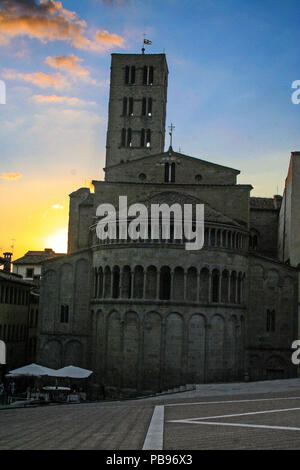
{"points": [[148, 315]]}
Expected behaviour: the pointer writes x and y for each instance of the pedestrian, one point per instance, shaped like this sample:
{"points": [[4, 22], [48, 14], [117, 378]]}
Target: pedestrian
{"points": [[1, 393]]}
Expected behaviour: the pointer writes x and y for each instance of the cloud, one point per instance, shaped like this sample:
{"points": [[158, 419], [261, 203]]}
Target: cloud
{"points": [[71, 64], [11, 176], [57, 206], [69, 101], [47, 20], [104, 37], [40, 79]]}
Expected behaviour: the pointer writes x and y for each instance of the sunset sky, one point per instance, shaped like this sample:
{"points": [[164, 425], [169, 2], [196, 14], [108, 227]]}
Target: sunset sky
{"points": [[231, 63]]}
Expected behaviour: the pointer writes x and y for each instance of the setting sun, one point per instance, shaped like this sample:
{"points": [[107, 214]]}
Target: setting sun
{"points": [[58, 241]]}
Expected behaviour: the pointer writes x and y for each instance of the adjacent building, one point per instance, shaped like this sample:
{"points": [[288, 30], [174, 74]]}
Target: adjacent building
{"points": [[29, 266], [15, 295]]}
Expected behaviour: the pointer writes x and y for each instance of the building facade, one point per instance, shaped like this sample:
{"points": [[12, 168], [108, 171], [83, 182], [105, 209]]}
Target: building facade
{"points": [[147, 314], [29, 266], [15, 298]]}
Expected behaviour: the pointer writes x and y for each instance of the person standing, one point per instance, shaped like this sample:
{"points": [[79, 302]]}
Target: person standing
{"points": [[1, 393]]}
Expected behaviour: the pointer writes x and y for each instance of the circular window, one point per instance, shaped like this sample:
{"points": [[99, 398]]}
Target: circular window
{"points": [[198, 178], [142, 176]]}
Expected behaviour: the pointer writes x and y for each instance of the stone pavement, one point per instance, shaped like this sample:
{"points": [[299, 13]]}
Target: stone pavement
{"points": [[262, 415]]}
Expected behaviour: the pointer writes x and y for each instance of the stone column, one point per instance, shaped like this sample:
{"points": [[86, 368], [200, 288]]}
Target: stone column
{"points": [[220, 285], [132, 284], [184, 285], [111, 283], [144, 282], [157, 283], [96, 282], [209, 286], [198, 286], [172, 284]]}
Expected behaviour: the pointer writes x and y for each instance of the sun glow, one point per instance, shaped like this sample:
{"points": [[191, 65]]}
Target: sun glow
{"points": [[58, 241]]}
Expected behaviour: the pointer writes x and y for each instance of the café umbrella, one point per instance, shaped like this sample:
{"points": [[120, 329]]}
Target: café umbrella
{"points": [[33, 370], [73, 372]]}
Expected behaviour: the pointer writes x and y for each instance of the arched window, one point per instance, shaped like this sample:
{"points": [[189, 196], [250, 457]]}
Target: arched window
{"points": [[239, 288], [145, 74], [138, 287], [178, 284], [107, 283], [132, 75], [151, 282], [100, 283], [129, 138], [126, 282], [151, 75], [148, 75], [270, 320], [172, 172], [191, 284], [130, 111], [123, 137], [149, 113], [127, 74], [148, 138], [64, 313], [143, 138], [166, 172], [116, 283], [225, 286], [165, 283], [215, 285], [233, 281]]}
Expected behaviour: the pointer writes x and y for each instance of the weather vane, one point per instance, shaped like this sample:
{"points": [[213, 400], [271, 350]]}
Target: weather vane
{"points": [[171, 127]]}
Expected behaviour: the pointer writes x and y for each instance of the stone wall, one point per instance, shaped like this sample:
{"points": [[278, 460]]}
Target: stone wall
{"points": [[272, 287], [65, 282]]}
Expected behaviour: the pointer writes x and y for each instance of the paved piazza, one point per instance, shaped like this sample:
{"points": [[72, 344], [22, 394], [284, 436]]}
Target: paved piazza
{"points": [[202, 419]]}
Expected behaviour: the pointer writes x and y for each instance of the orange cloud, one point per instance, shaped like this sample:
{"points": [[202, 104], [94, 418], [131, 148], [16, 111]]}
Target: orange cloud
{"points": [[47, 20], [104, 37], [70, 101], [11, 176], [42, 80], [69, 63]]}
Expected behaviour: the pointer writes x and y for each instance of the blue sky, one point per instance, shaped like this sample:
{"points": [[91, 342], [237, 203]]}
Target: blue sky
{"points": [[231, 64]]}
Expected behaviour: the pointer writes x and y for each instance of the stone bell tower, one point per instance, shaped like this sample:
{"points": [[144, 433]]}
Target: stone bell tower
{"points": [[137, 107]]}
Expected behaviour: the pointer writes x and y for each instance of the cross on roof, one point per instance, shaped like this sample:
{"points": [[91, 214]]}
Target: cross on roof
{"points": [[171, 127]]}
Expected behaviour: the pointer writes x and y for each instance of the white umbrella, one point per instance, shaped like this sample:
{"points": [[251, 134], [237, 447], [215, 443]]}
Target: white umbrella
{"points": [[73, 372], [33, 370]]}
